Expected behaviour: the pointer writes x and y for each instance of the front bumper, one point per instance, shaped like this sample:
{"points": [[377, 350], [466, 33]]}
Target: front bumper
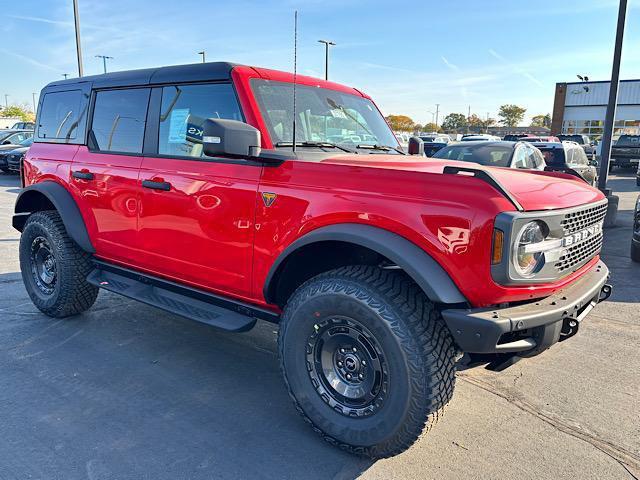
{"points": [[531, 327]]}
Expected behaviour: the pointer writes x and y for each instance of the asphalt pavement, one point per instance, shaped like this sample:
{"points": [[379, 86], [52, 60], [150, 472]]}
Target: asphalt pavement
{"points": [[126, 391]]}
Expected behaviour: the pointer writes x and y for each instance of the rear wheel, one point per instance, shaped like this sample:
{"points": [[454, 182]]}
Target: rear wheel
{"points": [[54, 269], [367, 359]]}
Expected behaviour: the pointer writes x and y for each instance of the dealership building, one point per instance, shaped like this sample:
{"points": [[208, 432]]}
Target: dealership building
{"points": [[580, 107]]}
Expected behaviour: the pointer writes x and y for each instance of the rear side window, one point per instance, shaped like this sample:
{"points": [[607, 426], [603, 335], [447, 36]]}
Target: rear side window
{"points": [[60, 115], [183, 112], [119, 119], [554, 157]]}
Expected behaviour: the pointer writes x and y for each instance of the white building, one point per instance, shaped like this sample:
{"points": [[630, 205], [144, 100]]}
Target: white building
{"points": [[580, 107]]}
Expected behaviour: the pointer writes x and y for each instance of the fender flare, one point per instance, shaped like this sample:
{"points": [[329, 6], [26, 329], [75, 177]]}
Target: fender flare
{"points": [[414, 261], [63, 202]]}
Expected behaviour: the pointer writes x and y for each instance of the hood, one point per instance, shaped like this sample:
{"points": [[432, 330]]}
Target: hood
{"points": [[534, 190]]}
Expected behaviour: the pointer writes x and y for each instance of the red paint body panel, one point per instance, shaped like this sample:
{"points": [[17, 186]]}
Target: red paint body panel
{"points": [[212, 229]]}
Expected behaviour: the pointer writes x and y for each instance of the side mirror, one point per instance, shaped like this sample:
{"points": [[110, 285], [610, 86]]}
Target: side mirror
{"points": [[230, 138], [6, 142], [416, 146], [593, 163]]}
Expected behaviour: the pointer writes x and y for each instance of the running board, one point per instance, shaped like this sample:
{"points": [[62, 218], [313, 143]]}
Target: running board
{"points": [[178, 299]]}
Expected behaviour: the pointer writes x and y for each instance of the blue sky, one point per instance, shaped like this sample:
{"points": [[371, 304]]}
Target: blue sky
{"points": [[407, 55]]}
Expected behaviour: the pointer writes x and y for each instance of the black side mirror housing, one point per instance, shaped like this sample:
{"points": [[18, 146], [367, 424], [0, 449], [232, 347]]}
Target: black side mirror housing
{"points": [[230, 138], [416, 146], [593, 163]]}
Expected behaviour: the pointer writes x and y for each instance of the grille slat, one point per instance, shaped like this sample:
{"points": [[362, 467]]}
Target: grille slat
{"points": [[580, 253], [581, 219]]}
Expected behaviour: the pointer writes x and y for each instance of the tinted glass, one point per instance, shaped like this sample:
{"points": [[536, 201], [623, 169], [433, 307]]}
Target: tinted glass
{"points": [[184, 110], [628, 141], [553, 157], [323, 115], [119, 118], [491, 154], [60, 115]]}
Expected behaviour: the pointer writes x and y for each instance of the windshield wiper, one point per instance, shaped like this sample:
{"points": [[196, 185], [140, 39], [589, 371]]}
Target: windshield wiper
{"points": [[384, 148], [314, 144]]}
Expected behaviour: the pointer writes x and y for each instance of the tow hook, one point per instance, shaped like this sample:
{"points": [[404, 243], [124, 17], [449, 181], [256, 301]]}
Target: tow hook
{"points": [[569, 328], [605, 292]]}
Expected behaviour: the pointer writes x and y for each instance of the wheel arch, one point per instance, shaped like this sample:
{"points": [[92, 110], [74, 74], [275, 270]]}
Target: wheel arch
{"points": [[50, 195], [365, 240]]}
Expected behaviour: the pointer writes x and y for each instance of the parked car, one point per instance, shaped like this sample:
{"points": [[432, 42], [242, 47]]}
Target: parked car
{"points": [[379, 268], [23, 126], [435, 138], [10, 140], [638, 176], [569, 157], [514, 137], [430, 148], [477, 137], [584, 141], [494, 154], [14, 157], [625, 152], [547, 138], [635, 237]]}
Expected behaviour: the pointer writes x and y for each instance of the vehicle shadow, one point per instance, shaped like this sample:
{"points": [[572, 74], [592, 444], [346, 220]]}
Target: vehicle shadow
{"points": [[127, 391], [11, 181]]}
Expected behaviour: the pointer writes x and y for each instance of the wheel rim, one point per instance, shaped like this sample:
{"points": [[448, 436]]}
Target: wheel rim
{"points": [[43, 265], [347, 367]]}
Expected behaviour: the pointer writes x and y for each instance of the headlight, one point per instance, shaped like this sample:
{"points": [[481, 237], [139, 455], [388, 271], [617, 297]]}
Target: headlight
{"points": [[527, 258]]}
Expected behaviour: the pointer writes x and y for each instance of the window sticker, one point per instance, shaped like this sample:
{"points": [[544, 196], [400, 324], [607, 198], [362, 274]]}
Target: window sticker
{"points": [[178, 125]]}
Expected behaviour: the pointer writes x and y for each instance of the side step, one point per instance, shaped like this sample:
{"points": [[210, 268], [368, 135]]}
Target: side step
{"points": [[175, 298]]}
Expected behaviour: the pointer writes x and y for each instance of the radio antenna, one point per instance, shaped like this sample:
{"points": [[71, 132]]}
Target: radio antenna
{"points": [[295, 75]]}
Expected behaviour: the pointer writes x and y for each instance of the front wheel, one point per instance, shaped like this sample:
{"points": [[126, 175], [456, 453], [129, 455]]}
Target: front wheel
{"points": [[54, 269], [368, 361]]}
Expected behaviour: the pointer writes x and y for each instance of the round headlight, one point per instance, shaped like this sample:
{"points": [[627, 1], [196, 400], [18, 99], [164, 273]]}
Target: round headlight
{"points": [[526, 261]]}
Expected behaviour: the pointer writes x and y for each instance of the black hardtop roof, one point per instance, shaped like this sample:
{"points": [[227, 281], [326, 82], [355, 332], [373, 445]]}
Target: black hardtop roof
{"points": [[195, 72]]}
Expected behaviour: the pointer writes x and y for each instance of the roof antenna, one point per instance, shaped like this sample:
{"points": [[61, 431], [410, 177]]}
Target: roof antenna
{"points": [[295, 74]]}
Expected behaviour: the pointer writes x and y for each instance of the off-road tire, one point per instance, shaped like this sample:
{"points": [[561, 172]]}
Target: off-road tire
{"points": [[71, 294], [635, 251], [413, 337]]}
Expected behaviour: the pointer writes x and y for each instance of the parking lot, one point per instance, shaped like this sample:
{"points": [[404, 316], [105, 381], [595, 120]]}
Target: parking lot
{"points": [[127, 391]]}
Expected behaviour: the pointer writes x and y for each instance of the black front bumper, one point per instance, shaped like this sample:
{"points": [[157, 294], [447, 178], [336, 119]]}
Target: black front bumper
{"points": [[531, 327]]}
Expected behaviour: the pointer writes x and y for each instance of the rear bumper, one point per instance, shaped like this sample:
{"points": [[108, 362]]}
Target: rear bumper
{"points": [[532, 327]]}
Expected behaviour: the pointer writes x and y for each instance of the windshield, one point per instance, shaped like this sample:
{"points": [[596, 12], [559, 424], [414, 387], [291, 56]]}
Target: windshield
{"points": [[493, 155], [323, 116], [572, 138], [27, 142], [628, 141]]}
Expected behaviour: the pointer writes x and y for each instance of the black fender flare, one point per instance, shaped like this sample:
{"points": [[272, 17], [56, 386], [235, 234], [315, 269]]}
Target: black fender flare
{"points": [[63, 202], [414, 261]]}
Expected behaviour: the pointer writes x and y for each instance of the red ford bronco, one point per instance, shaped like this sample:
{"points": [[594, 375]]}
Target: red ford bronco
{"points": [[203, 191]]}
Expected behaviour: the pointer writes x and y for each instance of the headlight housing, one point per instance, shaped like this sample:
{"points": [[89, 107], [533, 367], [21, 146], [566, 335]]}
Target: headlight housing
{"points": [[528, 257]]}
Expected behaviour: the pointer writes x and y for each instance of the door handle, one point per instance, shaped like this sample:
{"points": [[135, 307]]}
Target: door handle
{"points": [[165, 186], [83, 175]]}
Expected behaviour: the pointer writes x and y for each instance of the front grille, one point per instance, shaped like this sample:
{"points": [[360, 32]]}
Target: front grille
{"points": [[581, 219], [579, 254]]}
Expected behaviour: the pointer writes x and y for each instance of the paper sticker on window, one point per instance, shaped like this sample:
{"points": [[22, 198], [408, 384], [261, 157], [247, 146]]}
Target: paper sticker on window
{"points": [[178, 125]]}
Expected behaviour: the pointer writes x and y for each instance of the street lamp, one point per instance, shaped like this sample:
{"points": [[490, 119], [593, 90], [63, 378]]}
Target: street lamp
{"points": [[104, 61], [6, 100], [203, 55], [33, 96], [326, 56]]}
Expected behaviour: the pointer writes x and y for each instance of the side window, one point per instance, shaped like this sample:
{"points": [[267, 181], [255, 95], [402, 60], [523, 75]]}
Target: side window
{"points": [[183, 112], [520, 157], [580, 157], [532, 160], [571, 156], [119, 118], [60, 115]]}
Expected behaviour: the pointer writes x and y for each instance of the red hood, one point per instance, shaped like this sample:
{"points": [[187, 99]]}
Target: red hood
{"points": [[533, 190]]}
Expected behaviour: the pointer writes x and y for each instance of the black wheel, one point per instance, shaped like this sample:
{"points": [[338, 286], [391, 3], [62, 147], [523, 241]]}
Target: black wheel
{"points": [[54, 269], [368, 361], [635, 251]]}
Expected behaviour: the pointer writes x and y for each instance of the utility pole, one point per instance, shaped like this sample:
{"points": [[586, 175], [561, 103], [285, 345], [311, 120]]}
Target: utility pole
{"points": [[437, 113], [468, 118], [76, 18], [104, 61], [326, 56], [6, 100], [203, 53], [33, 96], [65, 75]]}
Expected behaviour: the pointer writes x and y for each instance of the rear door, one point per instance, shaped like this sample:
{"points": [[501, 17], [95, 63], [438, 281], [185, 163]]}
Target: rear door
{"points": [[196, 221], [105, 174]]}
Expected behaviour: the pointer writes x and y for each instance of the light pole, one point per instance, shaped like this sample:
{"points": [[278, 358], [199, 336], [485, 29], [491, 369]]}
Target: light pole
{"points": [[203, 55], [437, 113], [326, 56], [433, 116], [104, 61], [76, 19], [6, 100], [33, 96], [65, 75]]}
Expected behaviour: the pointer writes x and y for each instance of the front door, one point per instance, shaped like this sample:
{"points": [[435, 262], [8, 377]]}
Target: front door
{"points": [[196, 221], [105, 175]]}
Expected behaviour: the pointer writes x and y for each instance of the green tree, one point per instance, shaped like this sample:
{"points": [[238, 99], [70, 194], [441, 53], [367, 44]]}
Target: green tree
{"points": [[430, 127], [475, 123], [511, 115], [541, 120], [400, 123], [18, 111], [454, 122]]}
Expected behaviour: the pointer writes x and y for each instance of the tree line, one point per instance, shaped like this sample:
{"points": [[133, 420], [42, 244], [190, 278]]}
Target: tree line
{"points": [[18, 111], [509, 116]]}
